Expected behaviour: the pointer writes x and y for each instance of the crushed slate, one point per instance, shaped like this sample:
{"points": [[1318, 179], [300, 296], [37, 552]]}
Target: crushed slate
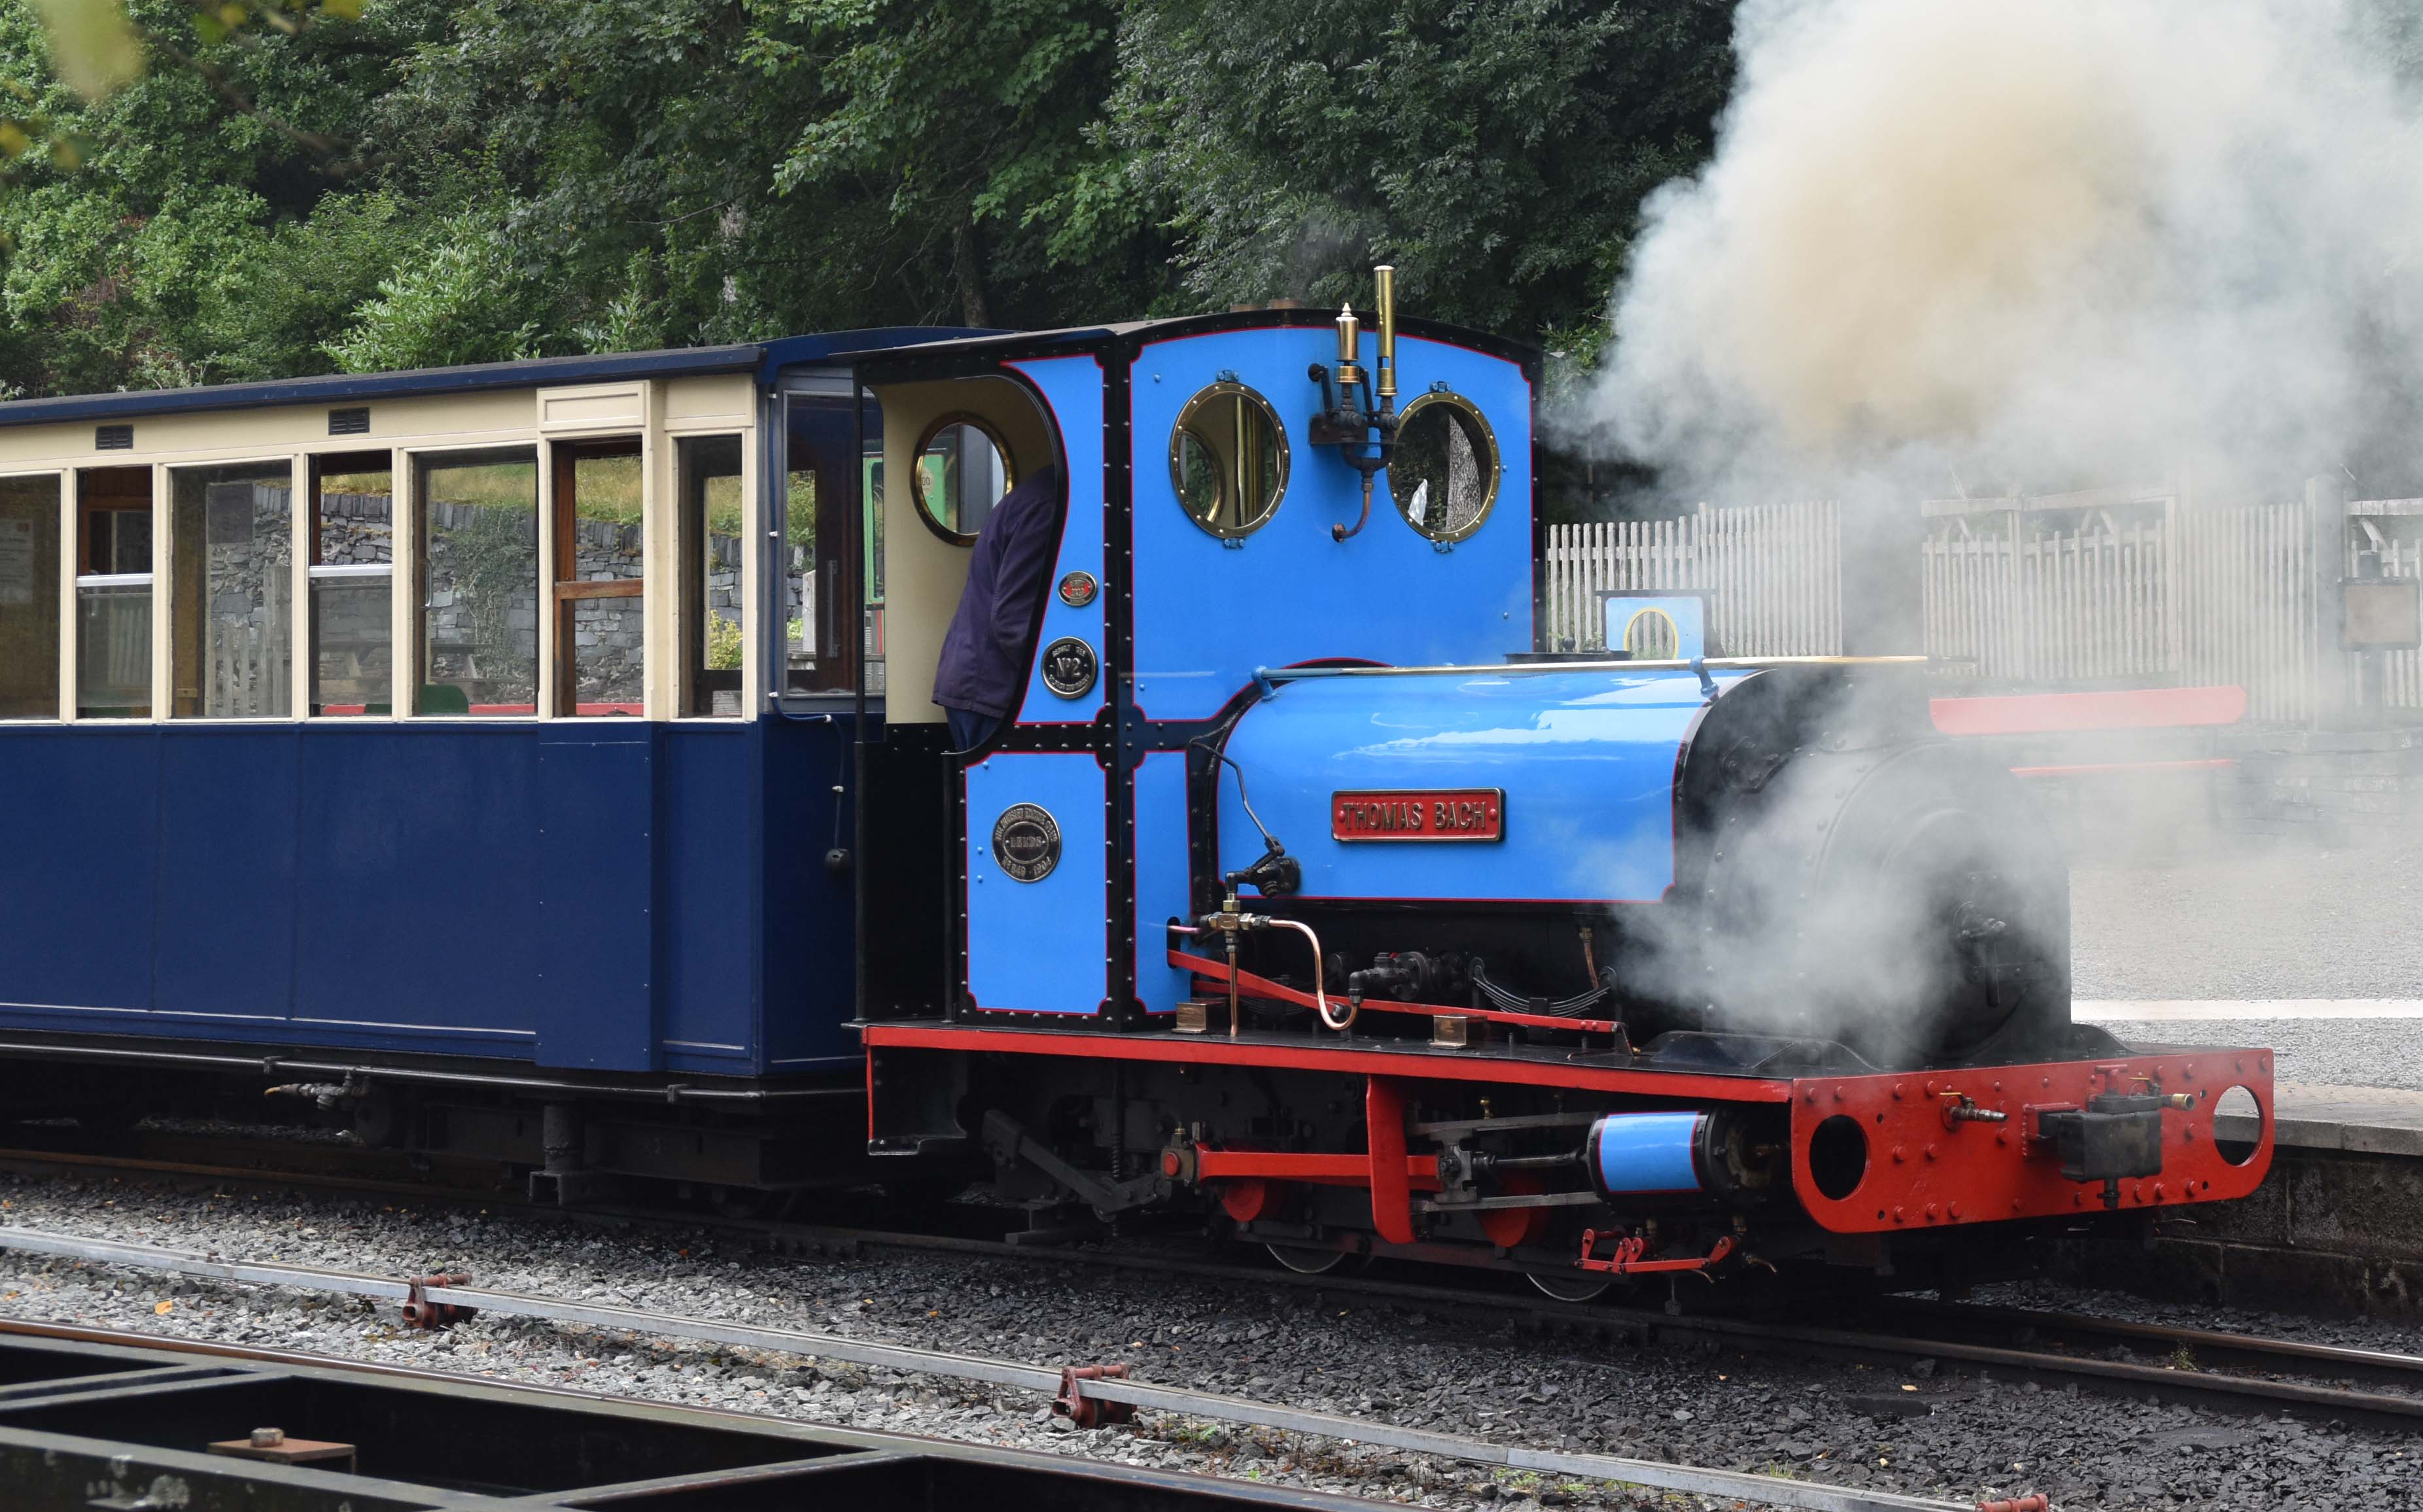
{"points": [[1925, 1432]]}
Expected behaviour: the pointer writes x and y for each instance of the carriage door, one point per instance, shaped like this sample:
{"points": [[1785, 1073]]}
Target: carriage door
{"points": [[1034, 872], [1040, 867], [1035, 862]]}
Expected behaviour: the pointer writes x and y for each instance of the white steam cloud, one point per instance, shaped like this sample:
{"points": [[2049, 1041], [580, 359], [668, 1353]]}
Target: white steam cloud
{"points": [[2042, 245]]}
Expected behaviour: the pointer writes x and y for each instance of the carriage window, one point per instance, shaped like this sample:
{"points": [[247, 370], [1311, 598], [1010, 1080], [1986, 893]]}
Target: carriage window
{"points": [[600, 614], [708, 469], [29, 598], [113, 593], [821, 578], [232, 642], [962, 471], [1444, 472], [352, 572], [1228, 460], [477, 566]]}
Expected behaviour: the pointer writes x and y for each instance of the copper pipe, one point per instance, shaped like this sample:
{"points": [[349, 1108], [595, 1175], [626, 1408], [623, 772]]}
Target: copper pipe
{"points": [[1319, 998]]}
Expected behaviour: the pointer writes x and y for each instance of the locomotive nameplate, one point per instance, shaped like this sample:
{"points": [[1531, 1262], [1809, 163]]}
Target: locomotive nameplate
{"points": [[1419, 813], [1026, 841]]}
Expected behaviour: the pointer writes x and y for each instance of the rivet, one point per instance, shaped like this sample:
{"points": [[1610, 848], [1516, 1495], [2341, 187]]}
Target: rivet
{"points": [[1896, 1089], [1930, 1152], [1953, 1210], [1839, 1093], [1930, 1212], [1898, 1216], [1898, 1154], [2015, 1204]]}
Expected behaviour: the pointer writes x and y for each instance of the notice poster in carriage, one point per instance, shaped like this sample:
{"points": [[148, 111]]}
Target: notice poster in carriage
{"points": [[16, 561]]}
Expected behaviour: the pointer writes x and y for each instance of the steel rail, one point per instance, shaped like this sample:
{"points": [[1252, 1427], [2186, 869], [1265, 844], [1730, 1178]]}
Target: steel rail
{"points": [[1770, 1491], [829, 1449], [2029, 1326]]}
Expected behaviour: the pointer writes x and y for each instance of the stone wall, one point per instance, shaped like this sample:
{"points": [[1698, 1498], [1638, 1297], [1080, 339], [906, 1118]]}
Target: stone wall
{"points": [[482, 597], [2333, 784], [245, 660]]}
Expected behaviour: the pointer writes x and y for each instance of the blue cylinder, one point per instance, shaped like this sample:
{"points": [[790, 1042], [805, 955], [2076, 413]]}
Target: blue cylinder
{"points": [[1637, 1154]]}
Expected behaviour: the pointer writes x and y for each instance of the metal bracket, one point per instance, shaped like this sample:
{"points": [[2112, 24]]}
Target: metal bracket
{"points": [[1006, 1138], [1626, 1259], [1091, 1412], [420, 1313]]}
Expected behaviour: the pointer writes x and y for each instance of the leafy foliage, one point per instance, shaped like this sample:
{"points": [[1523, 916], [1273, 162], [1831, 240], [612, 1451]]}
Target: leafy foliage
{"points": [[1495, 150], [199, 193]]}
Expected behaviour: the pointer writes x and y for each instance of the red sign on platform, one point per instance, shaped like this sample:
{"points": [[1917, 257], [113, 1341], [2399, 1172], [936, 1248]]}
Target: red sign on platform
{"points": [[1453, 813]]}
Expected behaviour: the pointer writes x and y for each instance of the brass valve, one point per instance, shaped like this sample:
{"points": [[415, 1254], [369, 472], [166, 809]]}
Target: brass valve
{"points": [[1960, 1107]]}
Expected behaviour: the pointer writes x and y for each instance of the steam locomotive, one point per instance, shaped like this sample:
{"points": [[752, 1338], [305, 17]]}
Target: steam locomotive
{"points": [[1300, 891]]}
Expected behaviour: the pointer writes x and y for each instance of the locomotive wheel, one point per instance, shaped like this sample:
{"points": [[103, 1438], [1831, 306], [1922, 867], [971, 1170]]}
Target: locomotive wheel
{"points": [[1581, 1286], [1309, 1262]]}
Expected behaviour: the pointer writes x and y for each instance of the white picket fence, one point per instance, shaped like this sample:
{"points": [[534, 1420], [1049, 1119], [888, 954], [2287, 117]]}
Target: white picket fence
{"points": [[248, 667], [2249, 605], [1773, 574], [2055, 606], [2129, 593], [2195, 596]]}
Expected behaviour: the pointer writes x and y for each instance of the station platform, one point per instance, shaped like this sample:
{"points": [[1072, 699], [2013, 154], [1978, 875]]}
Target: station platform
{"points": [[2325, 1115], [2338, 1225]]}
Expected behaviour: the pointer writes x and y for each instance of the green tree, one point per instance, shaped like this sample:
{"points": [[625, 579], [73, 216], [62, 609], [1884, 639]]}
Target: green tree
{"points": [[253, 188], [962, 120], [1495, 152]]}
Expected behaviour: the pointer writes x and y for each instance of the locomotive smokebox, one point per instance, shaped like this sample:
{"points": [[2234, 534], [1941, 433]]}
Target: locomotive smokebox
{"points": [[1786, 853]]}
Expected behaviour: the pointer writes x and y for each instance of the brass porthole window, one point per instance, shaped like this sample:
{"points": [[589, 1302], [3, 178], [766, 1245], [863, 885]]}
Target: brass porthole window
{"points": [[963, 469], [1228, 460], [1444, 472]]}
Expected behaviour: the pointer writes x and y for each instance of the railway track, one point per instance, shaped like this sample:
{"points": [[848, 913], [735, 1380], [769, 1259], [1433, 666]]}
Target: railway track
{"points": [[1089, 1395], [107, 1418], [2203, 1368]]}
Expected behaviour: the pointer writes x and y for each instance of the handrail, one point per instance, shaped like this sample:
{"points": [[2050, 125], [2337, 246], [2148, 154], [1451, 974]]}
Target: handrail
{"points": [[1293, 674]]}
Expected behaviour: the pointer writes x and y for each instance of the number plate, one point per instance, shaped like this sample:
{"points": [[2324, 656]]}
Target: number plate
{"points": [[1446, 813]]}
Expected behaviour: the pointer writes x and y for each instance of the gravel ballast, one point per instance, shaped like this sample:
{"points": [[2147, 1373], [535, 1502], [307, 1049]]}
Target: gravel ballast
{"points": [[1924, 1434]]}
